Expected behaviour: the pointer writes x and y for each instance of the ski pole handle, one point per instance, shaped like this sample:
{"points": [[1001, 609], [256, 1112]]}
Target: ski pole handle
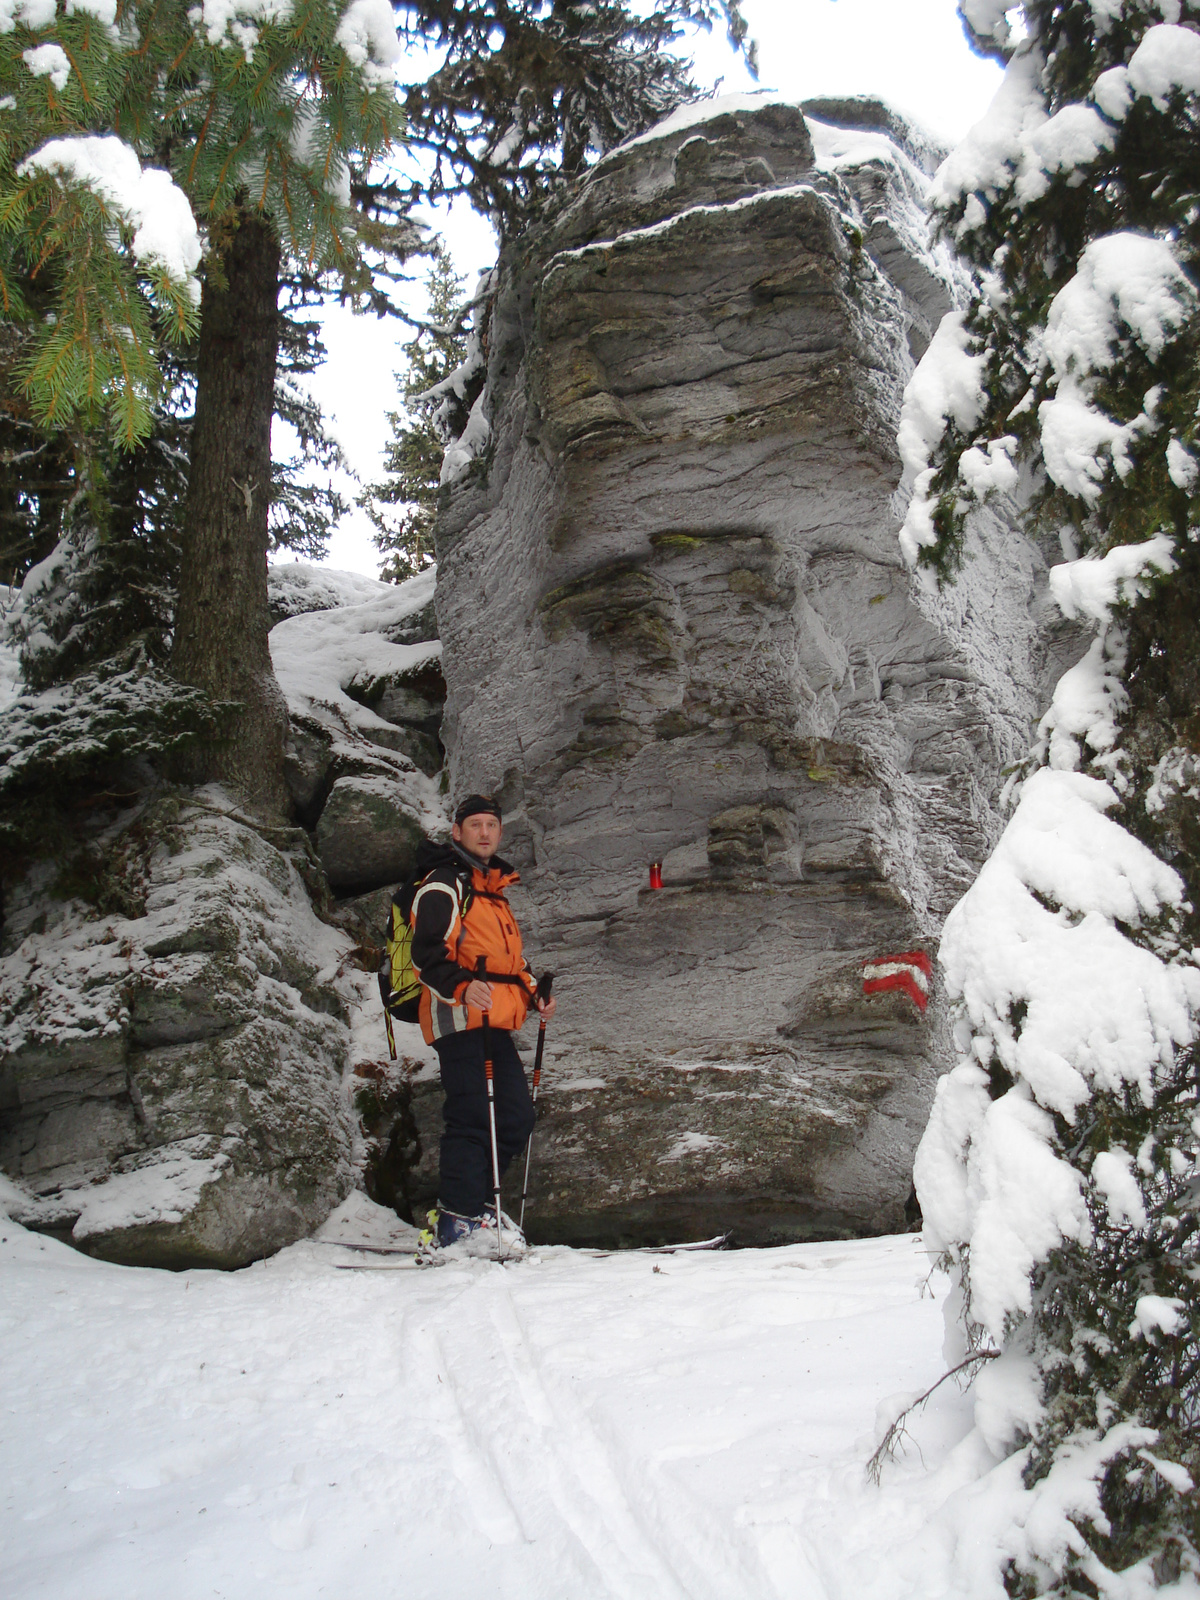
{"points": [[542, 992]]}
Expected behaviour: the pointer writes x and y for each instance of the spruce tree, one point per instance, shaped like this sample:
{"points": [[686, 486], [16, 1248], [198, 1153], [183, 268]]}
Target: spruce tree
{"points": [[258, 111], [413, 456], [267, 116], [1059, 1174]]}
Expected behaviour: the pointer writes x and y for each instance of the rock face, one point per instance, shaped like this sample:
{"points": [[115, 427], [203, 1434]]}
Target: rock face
{"points": [[359, 664], [676, 628], [171, 1091], [364, 838]]}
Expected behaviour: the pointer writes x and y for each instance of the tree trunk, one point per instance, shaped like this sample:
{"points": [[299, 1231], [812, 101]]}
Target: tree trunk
{"points": [[222, 621]]}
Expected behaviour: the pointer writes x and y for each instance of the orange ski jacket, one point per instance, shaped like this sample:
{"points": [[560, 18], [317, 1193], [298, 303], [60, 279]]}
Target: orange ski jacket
{"points": [[459, 913]]}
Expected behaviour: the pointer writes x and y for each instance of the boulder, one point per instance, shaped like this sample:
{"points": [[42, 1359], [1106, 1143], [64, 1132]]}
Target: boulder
{"points": [[676, 628], [295, 588], [365, 835], [173, 1079], [363, 682], [365, 916]]}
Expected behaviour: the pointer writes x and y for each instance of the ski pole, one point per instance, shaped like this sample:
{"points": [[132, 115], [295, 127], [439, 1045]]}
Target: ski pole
{"points": [[543, 993], [489, 1074]]}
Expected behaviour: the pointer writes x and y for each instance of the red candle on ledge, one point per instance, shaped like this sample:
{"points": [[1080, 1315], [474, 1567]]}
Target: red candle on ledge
{"points": [[656, 875]]}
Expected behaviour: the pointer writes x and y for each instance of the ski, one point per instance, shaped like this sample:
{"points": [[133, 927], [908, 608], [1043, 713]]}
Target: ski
{"points": [[372, 1249], [409, 1258], [718, 1242], [399, 1264]]}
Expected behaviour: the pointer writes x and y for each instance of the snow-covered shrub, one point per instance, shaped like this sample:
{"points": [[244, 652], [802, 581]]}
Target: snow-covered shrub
{"points": [[53, 744], [1058, 1176], [93, 597], [91, 624]]}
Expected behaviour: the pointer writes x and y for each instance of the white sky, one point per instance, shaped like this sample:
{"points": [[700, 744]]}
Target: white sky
{"points": [[911, 53]]}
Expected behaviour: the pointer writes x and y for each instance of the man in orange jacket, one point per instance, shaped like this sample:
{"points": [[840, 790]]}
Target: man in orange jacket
{"points": [[460, 914]]}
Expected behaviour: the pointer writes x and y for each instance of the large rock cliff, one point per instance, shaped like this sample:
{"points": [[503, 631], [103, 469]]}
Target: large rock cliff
{"points": [[676, 628]]}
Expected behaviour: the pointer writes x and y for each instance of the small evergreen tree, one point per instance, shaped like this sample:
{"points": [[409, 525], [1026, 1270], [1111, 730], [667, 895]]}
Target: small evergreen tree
{"points": [[528, 92], [1059, 1172], [413, 457]]}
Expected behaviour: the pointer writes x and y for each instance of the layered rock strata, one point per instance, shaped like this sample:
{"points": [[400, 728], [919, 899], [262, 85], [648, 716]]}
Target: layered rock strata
{"points": [[676, 628]]}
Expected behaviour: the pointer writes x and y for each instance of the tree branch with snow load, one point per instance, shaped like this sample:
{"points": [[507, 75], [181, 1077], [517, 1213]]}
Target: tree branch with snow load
{"points": [[1058, 1175]]}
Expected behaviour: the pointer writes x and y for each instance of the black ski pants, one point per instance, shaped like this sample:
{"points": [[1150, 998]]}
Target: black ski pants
{"points": [[465, 1184]]}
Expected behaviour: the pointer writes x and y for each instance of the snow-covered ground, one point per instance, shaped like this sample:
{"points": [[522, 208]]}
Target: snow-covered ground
{"points": [[643, 1427]]}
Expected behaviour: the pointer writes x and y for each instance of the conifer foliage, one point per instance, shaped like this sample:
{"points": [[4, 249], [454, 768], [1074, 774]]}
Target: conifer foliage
{"points": [[528, 91], [1059, 1172], [413, 458], [134, 131]]}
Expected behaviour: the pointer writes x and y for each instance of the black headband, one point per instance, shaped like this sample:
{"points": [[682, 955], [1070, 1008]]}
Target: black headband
{"points": [[473, 806]]}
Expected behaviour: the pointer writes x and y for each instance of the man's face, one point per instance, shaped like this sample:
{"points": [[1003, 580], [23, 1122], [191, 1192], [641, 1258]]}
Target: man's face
{"points": [[479, 834]]}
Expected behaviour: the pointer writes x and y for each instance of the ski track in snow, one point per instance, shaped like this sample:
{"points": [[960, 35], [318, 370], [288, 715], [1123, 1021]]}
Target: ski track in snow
{"points": [[568, 1428]]}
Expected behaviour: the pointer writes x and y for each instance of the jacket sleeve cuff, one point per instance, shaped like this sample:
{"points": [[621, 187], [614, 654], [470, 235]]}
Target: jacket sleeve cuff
{"points": [[460, 990]]}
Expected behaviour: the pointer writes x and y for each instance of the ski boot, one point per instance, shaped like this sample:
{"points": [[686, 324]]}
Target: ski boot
{"points": [[450, 1236]]}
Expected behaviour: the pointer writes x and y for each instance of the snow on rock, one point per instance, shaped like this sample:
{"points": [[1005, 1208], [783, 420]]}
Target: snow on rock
{"points": [[366, 837], [364, 689], [318, 655], [692, 1144], [852, 145], [360, 1221], [164, 1188], [697, 113], [294, 587], [175, 1072], [146, 198]]}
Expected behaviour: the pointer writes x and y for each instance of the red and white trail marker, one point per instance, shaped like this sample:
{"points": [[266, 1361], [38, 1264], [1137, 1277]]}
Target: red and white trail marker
{"points": [[911, 972]]}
